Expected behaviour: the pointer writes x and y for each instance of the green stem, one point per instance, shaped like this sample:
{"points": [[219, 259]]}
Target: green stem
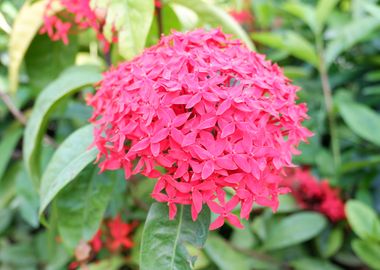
{"points": [[159, 22], [327, 93]]}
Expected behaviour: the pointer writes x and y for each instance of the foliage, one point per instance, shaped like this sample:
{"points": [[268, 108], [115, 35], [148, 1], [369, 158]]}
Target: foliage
{"points": [[53, 199]]}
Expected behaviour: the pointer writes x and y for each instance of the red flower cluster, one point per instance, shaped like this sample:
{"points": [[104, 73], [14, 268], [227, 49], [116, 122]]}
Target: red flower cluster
{"points": [[242, 17], [77, 13], [115, 236], [212, 113], [315, 195]]}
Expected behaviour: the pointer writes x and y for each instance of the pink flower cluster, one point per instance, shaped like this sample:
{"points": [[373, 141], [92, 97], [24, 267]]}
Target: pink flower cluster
{"points": [[218, 118], [76, 14], [315, 195]]}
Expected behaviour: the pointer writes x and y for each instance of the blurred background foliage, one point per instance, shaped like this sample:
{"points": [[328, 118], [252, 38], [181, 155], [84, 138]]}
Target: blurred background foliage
{"points": [[330, 48]]}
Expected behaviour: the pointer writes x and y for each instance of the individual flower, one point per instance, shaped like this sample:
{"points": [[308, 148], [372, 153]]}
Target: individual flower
{"points": [[316, 195], [115, 235], [76, 15], [119, 234], [213, 114]]}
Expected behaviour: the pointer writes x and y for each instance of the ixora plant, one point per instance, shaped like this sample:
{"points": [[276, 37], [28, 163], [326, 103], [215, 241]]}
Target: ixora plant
{"points": [[155, 137], [211, 121]]}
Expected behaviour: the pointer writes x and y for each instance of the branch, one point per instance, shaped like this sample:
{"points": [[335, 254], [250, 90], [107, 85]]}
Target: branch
{"points": [[12, 108], [19, 116]]}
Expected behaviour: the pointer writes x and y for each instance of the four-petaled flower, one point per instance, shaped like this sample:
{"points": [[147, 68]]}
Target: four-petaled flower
{"points": [[119, 234]]}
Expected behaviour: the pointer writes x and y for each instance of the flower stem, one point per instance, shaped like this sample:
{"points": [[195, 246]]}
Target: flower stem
{"points": [[327, 93]]}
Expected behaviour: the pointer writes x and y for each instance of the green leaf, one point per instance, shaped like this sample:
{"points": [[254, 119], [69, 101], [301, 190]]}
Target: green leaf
{"points": [[131, 20], [68, 161], [163, 241], [170, 20], [370, 161], [70, 82], [269, 39], [50, 57], [25, 27], [313, 264], [7, 186], [5, 219], [368, 252], [114, 263], [28, 199], [351, 34], [362, 120], [4, 24], [294, 229], [9, 140], [243, 238], [329, 242], [264, 13], [81, 206], [291, 42], [216, 16], [363, 220], [287, 204], [323, 11], [372, 9], [227, 258], [304, 12], [18, 256], [224, 256]]}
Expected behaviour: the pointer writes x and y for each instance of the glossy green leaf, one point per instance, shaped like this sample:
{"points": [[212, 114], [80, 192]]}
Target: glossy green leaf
{"points": [[351, 34], [68, 161], [215, 16], [363, 220], [291, 42], [70, 82], [227, 258], [368, 252], [25, 27], [163, 244], [8, 142], [131, 20], [362, 120], [323, 11], [50, 57], [294, 229], [81, 206]]}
